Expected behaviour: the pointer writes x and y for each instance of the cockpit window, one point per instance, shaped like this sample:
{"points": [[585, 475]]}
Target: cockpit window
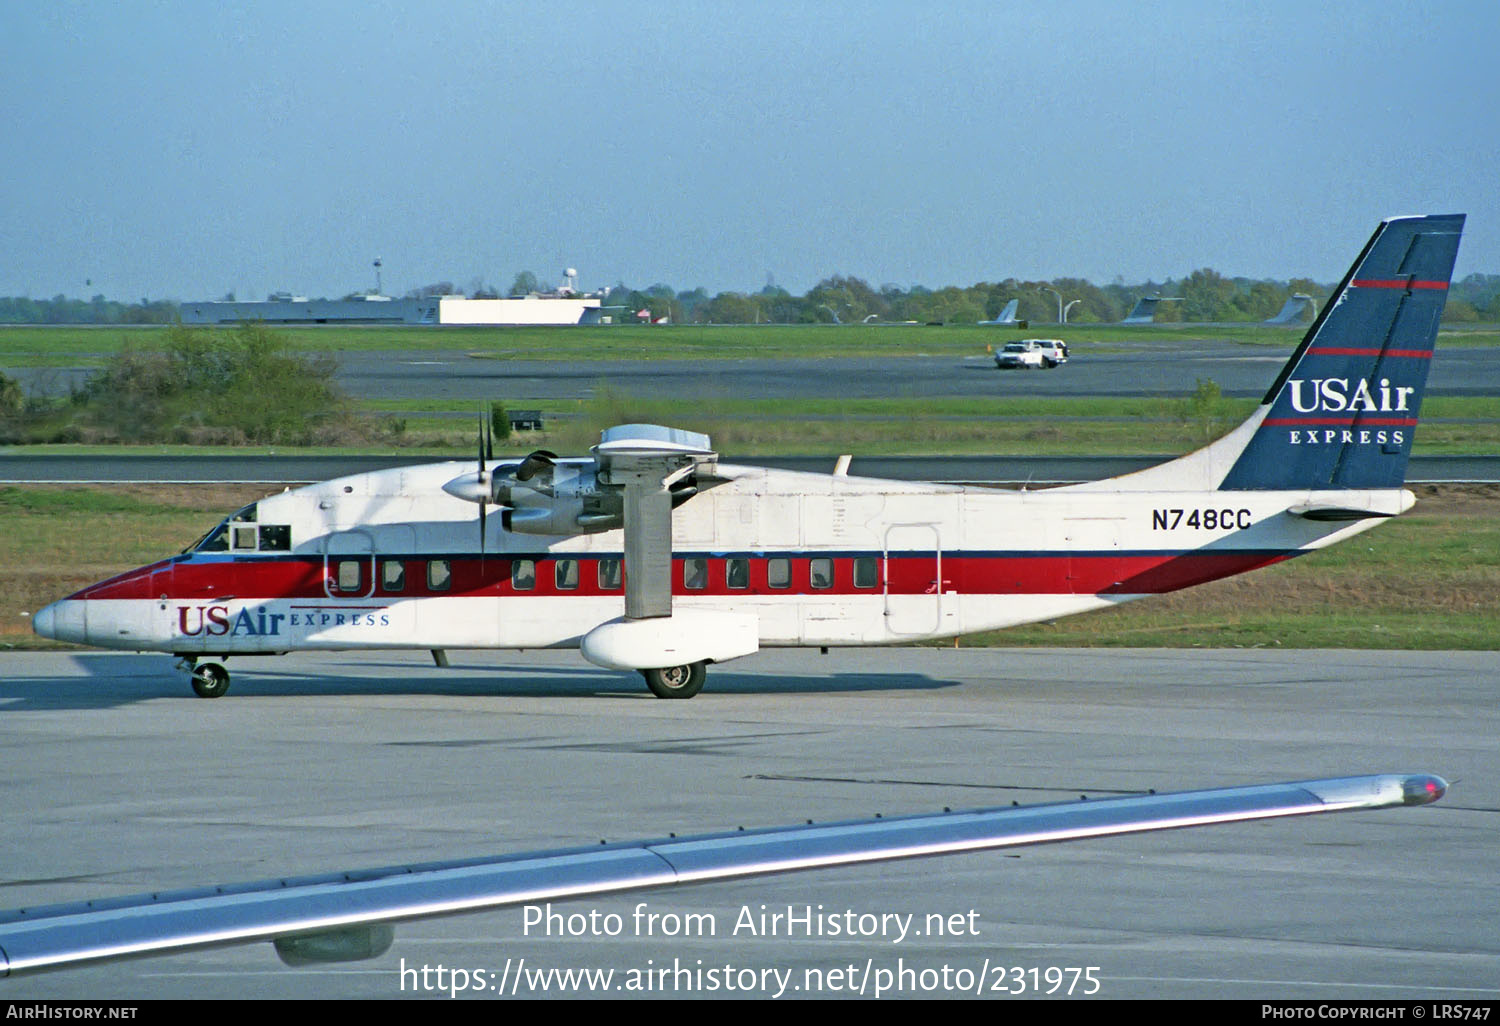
{"points": [[216, 540], [219, 539], [244, 536]]}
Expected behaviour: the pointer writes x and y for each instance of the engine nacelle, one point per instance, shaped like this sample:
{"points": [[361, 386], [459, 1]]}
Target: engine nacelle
{"points": [[560, 516], [561, 498], [687, 636]]}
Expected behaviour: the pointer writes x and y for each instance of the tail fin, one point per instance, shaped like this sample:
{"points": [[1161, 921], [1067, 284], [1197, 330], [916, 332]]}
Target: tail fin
{"points": [[1343, 412], [1006, 316]]}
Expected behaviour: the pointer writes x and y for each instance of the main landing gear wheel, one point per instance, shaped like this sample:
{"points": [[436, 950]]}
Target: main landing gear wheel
{"points": [[210, 680], [676, 681]]}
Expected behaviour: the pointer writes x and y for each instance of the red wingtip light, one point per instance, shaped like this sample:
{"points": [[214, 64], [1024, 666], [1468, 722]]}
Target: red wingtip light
{"points": [[1423, 789]]}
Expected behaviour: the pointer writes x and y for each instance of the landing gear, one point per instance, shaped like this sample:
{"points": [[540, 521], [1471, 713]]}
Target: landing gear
{"points": [[210, 680], [676, 681]]}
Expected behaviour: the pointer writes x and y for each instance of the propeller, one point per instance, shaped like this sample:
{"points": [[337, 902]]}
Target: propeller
{"points": [[485, 451]]}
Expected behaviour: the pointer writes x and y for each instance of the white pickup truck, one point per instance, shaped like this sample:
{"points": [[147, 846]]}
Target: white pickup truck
{"points": [[1032, 352]]}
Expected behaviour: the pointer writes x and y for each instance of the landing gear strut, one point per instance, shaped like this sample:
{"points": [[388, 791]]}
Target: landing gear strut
{"points": [[676, 681], [210, 680]]}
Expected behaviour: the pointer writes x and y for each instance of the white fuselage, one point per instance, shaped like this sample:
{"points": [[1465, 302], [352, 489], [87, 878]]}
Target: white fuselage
{"points": [[389, 560]]}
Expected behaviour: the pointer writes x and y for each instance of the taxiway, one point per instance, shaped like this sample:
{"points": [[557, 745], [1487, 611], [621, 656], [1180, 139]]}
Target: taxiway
{"points": [[117, 781]]}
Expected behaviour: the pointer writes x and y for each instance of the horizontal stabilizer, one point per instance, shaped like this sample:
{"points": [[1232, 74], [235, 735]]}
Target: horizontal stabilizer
{"points": [[1334, 513]]}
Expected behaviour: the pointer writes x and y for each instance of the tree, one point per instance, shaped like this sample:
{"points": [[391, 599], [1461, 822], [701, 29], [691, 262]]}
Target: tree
{"points": [[1207, 296]]}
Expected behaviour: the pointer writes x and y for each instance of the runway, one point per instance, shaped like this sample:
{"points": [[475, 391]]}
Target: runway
{"points": [[117, 781], [1169, 367]]}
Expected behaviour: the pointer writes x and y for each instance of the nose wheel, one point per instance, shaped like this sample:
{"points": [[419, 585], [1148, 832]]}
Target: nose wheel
{"points": [[676, 681], [210, 680]]}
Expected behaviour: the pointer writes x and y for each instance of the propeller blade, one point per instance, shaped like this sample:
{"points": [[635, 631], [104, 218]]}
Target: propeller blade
{"points": [[484, 482]]}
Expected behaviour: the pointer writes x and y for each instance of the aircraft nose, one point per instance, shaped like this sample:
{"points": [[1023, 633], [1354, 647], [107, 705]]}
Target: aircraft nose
{"points": [[44, 619], [61, 621]]}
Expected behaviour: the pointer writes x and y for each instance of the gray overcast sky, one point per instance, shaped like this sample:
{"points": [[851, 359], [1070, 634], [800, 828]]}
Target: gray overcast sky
{"points": [[186, 149]]}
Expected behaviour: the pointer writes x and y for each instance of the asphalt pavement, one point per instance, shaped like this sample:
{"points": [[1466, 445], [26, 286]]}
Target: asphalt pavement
{"points": [[118, 781]]}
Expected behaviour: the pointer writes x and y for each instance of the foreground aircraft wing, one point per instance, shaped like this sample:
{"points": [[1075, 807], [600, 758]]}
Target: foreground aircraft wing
{"points": [[346, 916]]}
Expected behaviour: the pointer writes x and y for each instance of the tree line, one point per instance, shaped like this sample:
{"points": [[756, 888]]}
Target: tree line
{"points": [[1205, 295]]}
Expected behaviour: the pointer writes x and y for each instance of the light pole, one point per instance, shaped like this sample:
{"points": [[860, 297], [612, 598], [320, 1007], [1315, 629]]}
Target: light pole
{"points": [[1059, 302], [1070, 306]]}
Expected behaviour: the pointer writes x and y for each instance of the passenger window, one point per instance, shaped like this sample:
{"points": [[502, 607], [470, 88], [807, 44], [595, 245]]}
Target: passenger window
{"points": [[275, 538], [439, 575], [244, 538], [609, 574], [779, 573], [866, 573], [348, 575], [821, 573], [392, 575], [523, 574], [565, 574], [695, 574], [737, 573]]}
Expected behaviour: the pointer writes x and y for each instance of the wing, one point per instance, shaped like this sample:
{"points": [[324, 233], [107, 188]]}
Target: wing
{"points": [[645, 461], [348, 915]]}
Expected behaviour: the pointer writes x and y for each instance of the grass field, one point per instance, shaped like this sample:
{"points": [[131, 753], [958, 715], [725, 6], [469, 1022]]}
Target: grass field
{"points": [[82, 345], [1428, 580], [898, 426], [1460, 426]]}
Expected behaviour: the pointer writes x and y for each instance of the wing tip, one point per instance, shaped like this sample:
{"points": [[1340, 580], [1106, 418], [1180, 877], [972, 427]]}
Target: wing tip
{"points": [[1422, 788], [1380, 791]]}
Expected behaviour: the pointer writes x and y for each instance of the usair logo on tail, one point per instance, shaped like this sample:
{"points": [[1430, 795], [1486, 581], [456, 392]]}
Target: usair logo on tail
{"points": [[1344, 411]]}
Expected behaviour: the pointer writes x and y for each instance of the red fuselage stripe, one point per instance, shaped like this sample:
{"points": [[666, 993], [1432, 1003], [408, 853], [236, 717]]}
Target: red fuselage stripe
{"points": [[255, 579]]}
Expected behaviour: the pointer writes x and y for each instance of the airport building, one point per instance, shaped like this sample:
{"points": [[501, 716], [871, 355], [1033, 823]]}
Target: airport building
{"points": [[284, 308]]}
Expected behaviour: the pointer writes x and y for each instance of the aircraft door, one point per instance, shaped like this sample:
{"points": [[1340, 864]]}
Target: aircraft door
{"points": [[913, 579]]}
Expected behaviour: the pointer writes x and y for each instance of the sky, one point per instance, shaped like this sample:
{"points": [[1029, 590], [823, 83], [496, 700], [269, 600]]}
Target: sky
{"points": [[182, 149]]}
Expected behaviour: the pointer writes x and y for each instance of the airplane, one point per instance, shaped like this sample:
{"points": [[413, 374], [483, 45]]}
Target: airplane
{"points": [[1006, 316], [346, 916], [652, 555]]}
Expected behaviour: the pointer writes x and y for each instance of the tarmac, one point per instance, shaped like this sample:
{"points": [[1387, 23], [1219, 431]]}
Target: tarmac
{"points": [[1150, 367], [118, 781]]}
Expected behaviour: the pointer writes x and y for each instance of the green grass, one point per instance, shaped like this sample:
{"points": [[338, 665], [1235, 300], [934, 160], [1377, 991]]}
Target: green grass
{"points": [[909, 426], [72, 344], [88, 502], [868, 427]]}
